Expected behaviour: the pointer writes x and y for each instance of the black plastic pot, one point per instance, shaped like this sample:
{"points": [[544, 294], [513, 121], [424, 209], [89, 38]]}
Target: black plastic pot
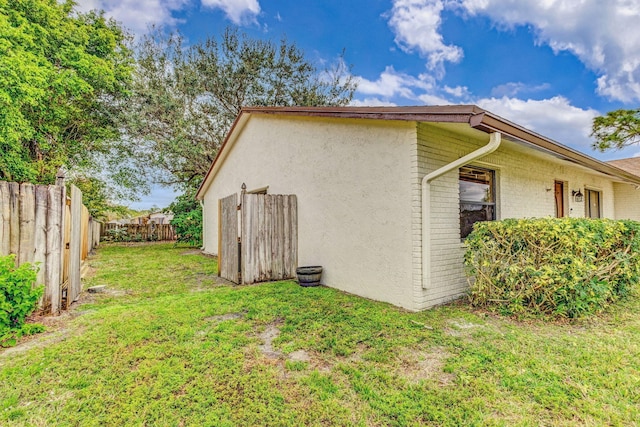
{"points": [[309, 276]]}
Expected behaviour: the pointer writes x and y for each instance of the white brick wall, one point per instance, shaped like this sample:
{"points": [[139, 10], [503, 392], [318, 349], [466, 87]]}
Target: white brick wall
{"points": [[627, 201], [525, 183]]}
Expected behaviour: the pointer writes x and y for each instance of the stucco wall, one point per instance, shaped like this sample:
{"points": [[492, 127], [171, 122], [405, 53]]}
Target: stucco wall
{"points": [[353, 183], [524, 189], [627, 201]]}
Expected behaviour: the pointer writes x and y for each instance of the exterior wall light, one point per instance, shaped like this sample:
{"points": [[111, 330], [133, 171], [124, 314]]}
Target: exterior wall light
{"points": [[577, 196]]}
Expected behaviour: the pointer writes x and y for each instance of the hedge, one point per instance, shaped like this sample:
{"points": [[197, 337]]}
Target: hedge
{"points": [[566, 267]]}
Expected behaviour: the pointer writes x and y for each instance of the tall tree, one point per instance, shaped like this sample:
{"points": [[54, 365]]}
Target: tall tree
{"points": [[63, 78], [186, 98], [616, 129]]}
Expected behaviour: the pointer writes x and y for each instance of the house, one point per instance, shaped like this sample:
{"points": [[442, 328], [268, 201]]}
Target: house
{"points": [[160, 217], [386, 195]]}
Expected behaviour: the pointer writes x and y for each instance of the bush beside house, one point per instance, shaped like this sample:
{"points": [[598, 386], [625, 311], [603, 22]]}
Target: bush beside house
{"points": [[567, 267]]}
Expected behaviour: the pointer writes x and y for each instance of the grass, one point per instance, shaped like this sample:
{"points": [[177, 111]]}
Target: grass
{"points": [[169, 346]]}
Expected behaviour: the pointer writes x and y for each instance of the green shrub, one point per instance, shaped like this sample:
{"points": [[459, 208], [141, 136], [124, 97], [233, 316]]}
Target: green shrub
{"points": [[18, 299], [565, 267], [187, 220]]}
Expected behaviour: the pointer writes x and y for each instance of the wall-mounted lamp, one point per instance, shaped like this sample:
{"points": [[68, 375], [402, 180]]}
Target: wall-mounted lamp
{"points": [[577, 195]]}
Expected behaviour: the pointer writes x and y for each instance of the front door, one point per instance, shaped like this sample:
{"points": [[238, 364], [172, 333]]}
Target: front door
{"points": [[559, 195]]}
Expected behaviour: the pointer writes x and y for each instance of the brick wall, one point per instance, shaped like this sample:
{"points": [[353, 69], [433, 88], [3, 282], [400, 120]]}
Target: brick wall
{"points": [[524, 188]]}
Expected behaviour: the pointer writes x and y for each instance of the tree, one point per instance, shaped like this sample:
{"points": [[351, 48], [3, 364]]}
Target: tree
{"points": [[63, 78], [185, 99], [617, 129], [96, 197]]}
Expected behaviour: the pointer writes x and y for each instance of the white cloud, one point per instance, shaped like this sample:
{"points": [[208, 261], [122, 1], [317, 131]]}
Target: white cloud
{"points": [[416, 25], [371, 102], [602, 34], [240, 12], [393, 87], [513, 88], [395, 84], [137, 15], [431, 99], [554, 118]]}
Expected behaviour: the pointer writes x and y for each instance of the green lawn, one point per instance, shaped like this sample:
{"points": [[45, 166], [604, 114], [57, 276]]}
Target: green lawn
{"points": [[168, 346]]}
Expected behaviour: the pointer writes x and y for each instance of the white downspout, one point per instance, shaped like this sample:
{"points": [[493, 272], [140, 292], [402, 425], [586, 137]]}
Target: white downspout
{"points": [[494, 143]]}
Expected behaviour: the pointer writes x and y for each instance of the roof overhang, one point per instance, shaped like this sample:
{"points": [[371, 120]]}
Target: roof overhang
{"points": [[477, 118]]}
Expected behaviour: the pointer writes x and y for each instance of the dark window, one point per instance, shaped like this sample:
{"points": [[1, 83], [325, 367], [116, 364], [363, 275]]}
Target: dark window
{"points": [[592, 201], [477, 197]]}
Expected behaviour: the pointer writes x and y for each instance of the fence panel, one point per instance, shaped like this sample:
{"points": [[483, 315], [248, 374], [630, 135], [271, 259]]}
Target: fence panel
{"points": [[36, 226], [5, 218], [269, 237], [75, 283], [137, 232], [228, 260]]}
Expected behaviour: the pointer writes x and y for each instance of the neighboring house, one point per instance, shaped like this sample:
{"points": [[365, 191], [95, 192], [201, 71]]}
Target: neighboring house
{"points": [[160, 218], [152, 218], [386, 195]]}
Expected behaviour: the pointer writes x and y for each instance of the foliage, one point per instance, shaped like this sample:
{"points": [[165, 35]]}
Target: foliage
{"points": [[166, 329], [187, 219], [565, 267], [186, 98], [617, 129], [63, 77], [121, 234], [96, 197], [18, 299]]}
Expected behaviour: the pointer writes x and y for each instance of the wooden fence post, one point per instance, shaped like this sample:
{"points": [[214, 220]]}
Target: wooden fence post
{"points": [[55, 248], [14, 219], [40, 237], [5, 218], [27, 211], [75, 283]]}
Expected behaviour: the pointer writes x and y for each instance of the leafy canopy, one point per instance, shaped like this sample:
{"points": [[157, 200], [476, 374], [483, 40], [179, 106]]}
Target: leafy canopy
{"points": [[617, 129], [63, 78], [186, 98]]}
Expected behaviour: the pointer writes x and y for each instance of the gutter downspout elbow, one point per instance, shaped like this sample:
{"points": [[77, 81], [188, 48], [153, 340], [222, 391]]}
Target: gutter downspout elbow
{"points": [[495, 139]]}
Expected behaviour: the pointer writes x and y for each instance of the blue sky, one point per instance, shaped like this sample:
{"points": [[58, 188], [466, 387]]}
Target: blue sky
{"points": [[548, 65]]}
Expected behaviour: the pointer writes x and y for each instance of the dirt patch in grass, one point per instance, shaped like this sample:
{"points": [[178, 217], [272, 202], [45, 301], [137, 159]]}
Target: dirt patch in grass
{"points": [[299, 356], [271, 332], [419, 365], [37, 341], [462, 328], [223, 317]]}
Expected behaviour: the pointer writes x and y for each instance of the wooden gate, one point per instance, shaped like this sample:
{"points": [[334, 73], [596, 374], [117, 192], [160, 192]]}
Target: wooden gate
{"points": [[228, 239], [258, 239]]}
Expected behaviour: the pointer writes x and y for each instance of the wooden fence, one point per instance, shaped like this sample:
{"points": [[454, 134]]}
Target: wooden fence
{"points": [[263, 244], [41, 225], [138, 232]]}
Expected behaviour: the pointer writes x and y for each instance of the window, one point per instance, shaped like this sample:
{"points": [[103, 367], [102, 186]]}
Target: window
{"points": [[592, 202], [477, 197]]}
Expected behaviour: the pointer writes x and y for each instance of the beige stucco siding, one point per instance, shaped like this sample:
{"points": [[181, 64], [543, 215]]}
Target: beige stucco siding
{"points": [[627, 201], [524, 184], [353, 183]]}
